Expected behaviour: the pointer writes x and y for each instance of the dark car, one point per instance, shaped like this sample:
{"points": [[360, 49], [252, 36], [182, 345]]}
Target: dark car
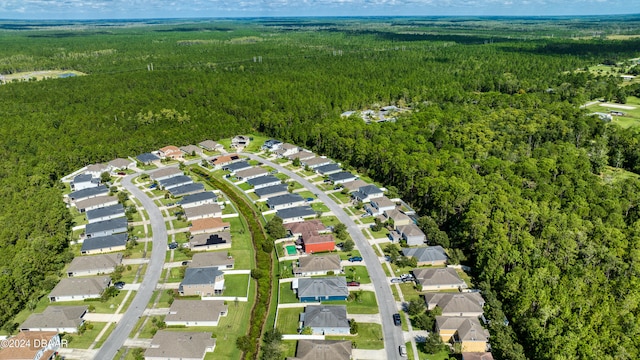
{"points": [[355, 259], [185, 263], [310, 199], [353, 283], [396, 319], [173, 245], [119, 285], [153, 186], [122, 173]]}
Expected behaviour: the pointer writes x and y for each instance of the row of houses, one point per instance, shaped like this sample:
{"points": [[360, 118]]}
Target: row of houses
{"points": [[171, 152]]}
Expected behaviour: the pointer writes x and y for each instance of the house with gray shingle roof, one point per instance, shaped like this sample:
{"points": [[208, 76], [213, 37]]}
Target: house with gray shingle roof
{"points": [[326, 319], [464, 330], [315, 162], [207, 281], [195, 313], [251, 173], [62, 319], [264, 181], [271, 191], [412, 234], [427, 255], [321, 289], [174, 182], [317, 265], [367, 193], [174, 345], [75, 289], [96, 203], [88, 193], [187, 189], [302, 155], [215, 241], [165, 173], [323, 350], [295, 214], [147, 158], [94, 265], [197, 199], [435, 279], [328, 169], [191, 149], [84, 181], [105, 213], [104, 244], [217, 259], [106, 227], [203, 211], [210, 145], [237, 166], [342, 177], [379, 205], [285, 201], [456, 304], [121, 164]]}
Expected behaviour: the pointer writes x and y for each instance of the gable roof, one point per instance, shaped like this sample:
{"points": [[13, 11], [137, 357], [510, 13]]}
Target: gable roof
{"points": [[56, 317], [98, 200], [202, 196], [369, 190], [186, 189], [323, 350], [147, 158], [318, 263], [410, 230], [438, 276], [302, 155], [320, 287], [284, 199], [82, 178], [164, 172], [383, 201], [268, 179], [316, 161], [191, 149], [105, 211], [313, 238], [343, 175], [180, 345], [196, 310], [294, 212], [208, 223], [119, 163], [309, 226], [211, 259], [326, 316], [95, 262], [397, 216], [209, 144], [455, 302], [198, 276], [103, 242], [106, 225], [201, 210], [29, 352], [97, 168], [175, 180], [93, 191], [471, 330], [273, 189], [170, 149], [225, 159], [253, 171], [354, 185], [426, 253], [328, 168], [236, 166], [210, 239], [81, 286]]}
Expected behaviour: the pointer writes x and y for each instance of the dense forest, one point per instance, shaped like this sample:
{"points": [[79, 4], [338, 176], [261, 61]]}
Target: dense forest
{"points": [[496, 155]]}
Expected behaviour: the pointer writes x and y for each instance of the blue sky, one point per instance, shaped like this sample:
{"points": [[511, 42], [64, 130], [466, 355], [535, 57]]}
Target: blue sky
{"points": [[123, 9]]}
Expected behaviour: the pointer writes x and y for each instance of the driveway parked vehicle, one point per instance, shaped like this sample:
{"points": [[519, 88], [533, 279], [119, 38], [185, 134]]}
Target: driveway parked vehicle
{"points": [[355, 258]]}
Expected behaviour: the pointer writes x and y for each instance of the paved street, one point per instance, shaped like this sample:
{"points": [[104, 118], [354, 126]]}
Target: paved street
{"points": [[119, 335], [393, 336]]}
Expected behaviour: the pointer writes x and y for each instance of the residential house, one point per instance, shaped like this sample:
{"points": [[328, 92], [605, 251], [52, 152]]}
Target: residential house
{"points": [[49, 342], [309, 226], [75, 289], [427, 255], [121, 164], [286, 150], [379, 205], [191, 150], [94, 265], [219, 161], [342, 177], [271, 191], [174, 182], [313, 243], [147, 158], [211, 145], [399, 218], [477, 356], [104, 244], [367, 193], [456, 304], [208, 225], [322, 350], [285, 201], [411, 234], [220, 260], [215, 241], [436, 279], [272, 145], [321, 289], [88, 193], [96, 170], [61, 319], [203, 211], [105, 213], [201, 198], [354, 185], [237, 166], [296, 214], [264, 181], [195, 313], [325, 319], [207, 281], [106, 227], [240, 141], [328, 169], [318, 265], [165, 173], [315, 162], [170, 152], [464, 330], [84, 181], [302, 155], [186, 189], [251, 173], [95, 203], [179, 345]]}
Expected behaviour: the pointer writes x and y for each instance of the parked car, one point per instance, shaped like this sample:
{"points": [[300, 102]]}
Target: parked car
{"points": [[173, 245], [185, 263], [119, 285], [355, 259], [353, 283], [403, 351], [310, 199], [396, 281], [122, 173], [396, 319], [153, 186]]}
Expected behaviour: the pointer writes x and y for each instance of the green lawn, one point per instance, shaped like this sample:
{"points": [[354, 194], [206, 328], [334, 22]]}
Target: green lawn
{"points": [[357, 273], [369, 337], [367, 304], [320, 207], [105, 336], [443, 355], [85, 340], [285, 267], [286, 294], [382, 233], [345, 255], [241, 245], [282, 176], [409, 291], [244, 186], [129, 275], [236, 285], [306, 194], [329, 220], [288, 319], [149, 327], [296, 185], [343, 198], [289, 348], [231, 327], [180, 224]]}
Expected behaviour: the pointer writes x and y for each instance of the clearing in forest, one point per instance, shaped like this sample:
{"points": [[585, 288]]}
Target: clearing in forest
{"points": [[38, 75]]}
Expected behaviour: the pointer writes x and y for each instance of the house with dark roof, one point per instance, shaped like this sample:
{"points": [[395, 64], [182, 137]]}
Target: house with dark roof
{"points": [[62, 319], [314, 243], [96, 203], [271, 145], [195, 313], [412, 234], [104, 244], [322, 350], [328, 169], [49, 342], [317, 265], [215, 241], [271, 191], [251, 173], [88, 193], [464, 330], [187, 189], [427, 255], [106, 227], [94, 265], [180, 345], [456, 304], [207, 281], [147, 158], [174, 182], [342, 177], [315, 162], [170, 152], [436, 279], [216, 259], [208, 225], [165, 173], [326, 319], [237, 166], [210, 145], [105, 213], [203, 211], [264, 181], [74, 289], [367, 193], [285, 201], [321, 289], [84, 181], [296, 214], [197, 199]]}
